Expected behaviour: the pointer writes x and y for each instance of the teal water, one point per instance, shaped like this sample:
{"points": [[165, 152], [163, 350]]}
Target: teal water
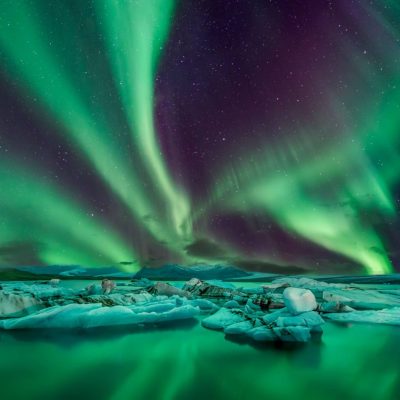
{"points": [[360, 362], [189, 362]]}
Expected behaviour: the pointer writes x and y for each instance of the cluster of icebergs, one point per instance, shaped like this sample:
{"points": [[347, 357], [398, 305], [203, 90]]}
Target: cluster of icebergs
{"points": [[287, 309], [293, 323]]}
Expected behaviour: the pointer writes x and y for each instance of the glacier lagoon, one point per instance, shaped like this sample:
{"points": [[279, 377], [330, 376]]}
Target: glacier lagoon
{"points": [[189, 362], [182, 360]]}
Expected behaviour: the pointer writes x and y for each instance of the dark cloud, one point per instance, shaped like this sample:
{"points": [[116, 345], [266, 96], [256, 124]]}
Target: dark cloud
{"points": [[20, 253], [205, 248], [263, 266]]}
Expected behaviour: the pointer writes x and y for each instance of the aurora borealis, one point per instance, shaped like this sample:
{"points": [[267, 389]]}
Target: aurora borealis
{"points": [[263, 134]]}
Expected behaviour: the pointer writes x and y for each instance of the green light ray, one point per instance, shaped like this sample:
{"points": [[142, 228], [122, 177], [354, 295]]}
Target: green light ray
{"points": [[327, 192], [33, 210], [303, 189], [30, 56], [136, 35], [306, 194], [299, 206]]}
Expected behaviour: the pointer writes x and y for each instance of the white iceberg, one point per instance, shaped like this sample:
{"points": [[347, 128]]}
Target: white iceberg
{"points": [[298, 300]]}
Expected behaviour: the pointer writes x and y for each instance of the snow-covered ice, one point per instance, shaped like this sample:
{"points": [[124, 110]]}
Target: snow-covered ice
{"points": [[298, 300], [73, 316], [221, 319], [288, 309], [15, 305], [389, 316]]}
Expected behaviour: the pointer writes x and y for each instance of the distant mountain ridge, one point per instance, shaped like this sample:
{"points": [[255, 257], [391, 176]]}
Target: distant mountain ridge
{"points": [[73, 270], [204, 272], [62, 272], [174, 272], [166, 272]]}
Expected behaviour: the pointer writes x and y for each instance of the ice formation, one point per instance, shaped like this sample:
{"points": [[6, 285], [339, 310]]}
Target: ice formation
{"points": [[387, 316], [84, 316], [299, 300], [287, 309], [14, 304]]}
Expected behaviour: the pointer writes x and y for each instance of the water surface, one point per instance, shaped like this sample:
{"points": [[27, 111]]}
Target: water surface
{"points": [[186, 361]]}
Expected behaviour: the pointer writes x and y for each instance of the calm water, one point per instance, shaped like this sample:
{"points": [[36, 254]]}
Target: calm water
{"points": [[190, 362]]}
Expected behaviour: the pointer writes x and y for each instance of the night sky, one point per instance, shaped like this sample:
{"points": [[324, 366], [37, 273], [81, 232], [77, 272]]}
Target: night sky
{"points": [[261, 134]]}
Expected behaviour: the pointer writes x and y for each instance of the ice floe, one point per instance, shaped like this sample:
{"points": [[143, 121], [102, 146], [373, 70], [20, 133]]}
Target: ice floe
{"points": [[73, 316], [289, 309], [389, 316]]}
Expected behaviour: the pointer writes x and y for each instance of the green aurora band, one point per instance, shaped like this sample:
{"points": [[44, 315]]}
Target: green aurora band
{"points": [[40, 69], [32, 210], [312, 193], [140, 29], [309, 193]]}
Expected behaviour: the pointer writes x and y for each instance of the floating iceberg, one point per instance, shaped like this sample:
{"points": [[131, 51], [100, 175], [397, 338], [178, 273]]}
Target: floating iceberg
{"points": [[310, 319], [363, 299], [15, 305], [262, 334], [302, 282], [293, 333], [280, 325], [166, 289], [299, 300], [289, 309], [390, 316], [221, 319], [239, 328], [73, 316]]}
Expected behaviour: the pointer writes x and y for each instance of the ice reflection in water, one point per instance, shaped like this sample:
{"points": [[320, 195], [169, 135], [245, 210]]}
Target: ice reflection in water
{"points": [[190, 362]]}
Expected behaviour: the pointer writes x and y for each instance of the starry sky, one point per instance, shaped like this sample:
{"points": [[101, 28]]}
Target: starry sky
{"points": [[256, 133]]}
